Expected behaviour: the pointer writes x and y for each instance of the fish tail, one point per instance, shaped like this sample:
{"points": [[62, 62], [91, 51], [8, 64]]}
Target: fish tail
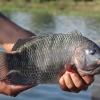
{"points": [[3, 65]]}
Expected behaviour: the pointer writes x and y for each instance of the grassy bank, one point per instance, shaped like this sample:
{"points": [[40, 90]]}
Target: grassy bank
{"points": [[66, 7]]}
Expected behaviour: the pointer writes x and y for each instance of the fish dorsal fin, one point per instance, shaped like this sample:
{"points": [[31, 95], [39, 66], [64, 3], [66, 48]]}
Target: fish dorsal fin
{"points": [[21, 42], [75, 33]]}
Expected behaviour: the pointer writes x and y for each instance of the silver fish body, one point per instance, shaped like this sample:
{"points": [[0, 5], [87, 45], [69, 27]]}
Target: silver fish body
{"points": [[42, 59]]}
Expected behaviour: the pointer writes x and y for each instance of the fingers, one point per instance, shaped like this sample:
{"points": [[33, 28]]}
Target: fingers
{"points": [[5, 88], [13, 90], [78, 82], [73, 82], [88, 79], [67, 84], [63, 85]]}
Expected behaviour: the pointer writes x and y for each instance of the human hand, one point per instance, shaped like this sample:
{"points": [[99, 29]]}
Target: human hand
{"points": [[12, 90], [73, 82]]}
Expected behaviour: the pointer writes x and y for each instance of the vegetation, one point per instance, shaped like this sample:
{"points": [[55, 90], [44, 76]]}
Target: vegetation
{"points": [[67, 7]]}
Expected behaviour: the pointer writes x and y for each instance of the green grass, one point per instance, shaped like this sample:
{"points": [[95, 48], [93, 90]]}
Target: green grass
{"points": [[66, 7]]}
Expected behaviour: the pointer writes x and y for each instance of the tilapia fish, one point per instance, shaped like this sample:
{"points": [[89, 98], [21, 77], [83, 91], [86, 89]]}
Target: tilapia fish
{"points": [[42, 59]]}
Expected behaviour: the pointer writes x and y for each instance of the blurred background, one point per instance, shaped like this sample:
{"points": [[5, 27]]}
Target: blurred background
{"points": [[56, 16]]}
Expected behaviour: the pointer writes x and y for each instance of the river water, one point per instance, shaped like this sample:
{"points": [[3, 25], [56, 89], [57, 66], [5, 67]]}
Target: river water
{"points": [[50, 24]]}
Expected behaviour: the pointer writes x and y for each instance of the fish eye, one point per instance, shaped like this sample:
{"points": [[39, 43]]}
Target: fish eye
{"points": [[92, 51]]}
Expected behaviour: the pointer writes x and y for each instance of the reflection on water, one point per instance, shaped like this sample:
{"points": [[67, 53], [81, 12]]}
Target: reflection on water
{"points": [[45, 24], [49, 24], [39, 23]]}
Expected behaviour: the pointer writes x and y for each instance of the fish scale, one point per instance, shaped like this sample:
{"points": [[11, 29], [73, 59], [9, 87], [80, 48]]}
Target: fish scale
{"points": [[42, 59], [41, 53]]}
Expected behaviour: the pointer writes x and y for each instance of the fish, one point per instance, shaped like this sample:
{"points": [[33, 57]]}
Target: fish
{"points": [[44, 59]]}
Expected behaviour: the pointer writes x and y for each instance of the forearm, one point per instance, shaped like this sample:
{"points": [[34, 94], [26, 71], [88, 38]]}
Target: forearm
{"points": [[10, 33]]}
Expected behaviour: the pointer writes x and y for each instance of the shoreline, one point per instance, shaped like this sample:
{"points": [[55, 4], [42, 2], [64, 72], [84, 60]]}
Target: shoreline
{"points": [[65, 7]]}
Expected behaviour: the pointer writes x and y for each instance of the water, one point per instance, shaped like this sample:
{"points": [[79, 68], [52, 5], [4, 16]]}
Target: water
{"points": [[49, 24]]}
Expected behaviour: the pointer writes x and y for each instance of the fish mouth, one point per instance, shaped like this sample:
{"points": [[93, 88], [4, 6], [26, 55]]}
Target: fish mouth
{"points": [[99, 62], [92, 71]]}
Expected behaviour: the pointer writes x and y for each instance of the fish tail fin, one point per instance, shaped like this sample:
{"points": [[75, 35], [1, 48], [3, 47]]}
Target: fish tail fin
{"points": [[3, 65], [12, 75]]}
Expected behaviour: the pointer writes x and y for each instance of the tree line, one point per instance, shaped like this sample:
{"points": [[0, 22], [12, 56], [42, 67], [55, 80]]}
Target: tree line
{"points": [[49, 0]]}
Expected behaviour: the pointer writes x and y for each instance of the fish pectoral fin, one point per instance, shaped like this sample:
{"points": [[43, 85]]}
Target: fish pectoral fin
{"points": [[15, 77]]}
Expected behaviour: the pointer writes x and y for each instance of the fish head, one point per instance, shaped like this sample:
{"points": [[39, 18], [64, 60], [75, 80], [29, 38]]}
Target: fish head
{"points": [[87, 59]]}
